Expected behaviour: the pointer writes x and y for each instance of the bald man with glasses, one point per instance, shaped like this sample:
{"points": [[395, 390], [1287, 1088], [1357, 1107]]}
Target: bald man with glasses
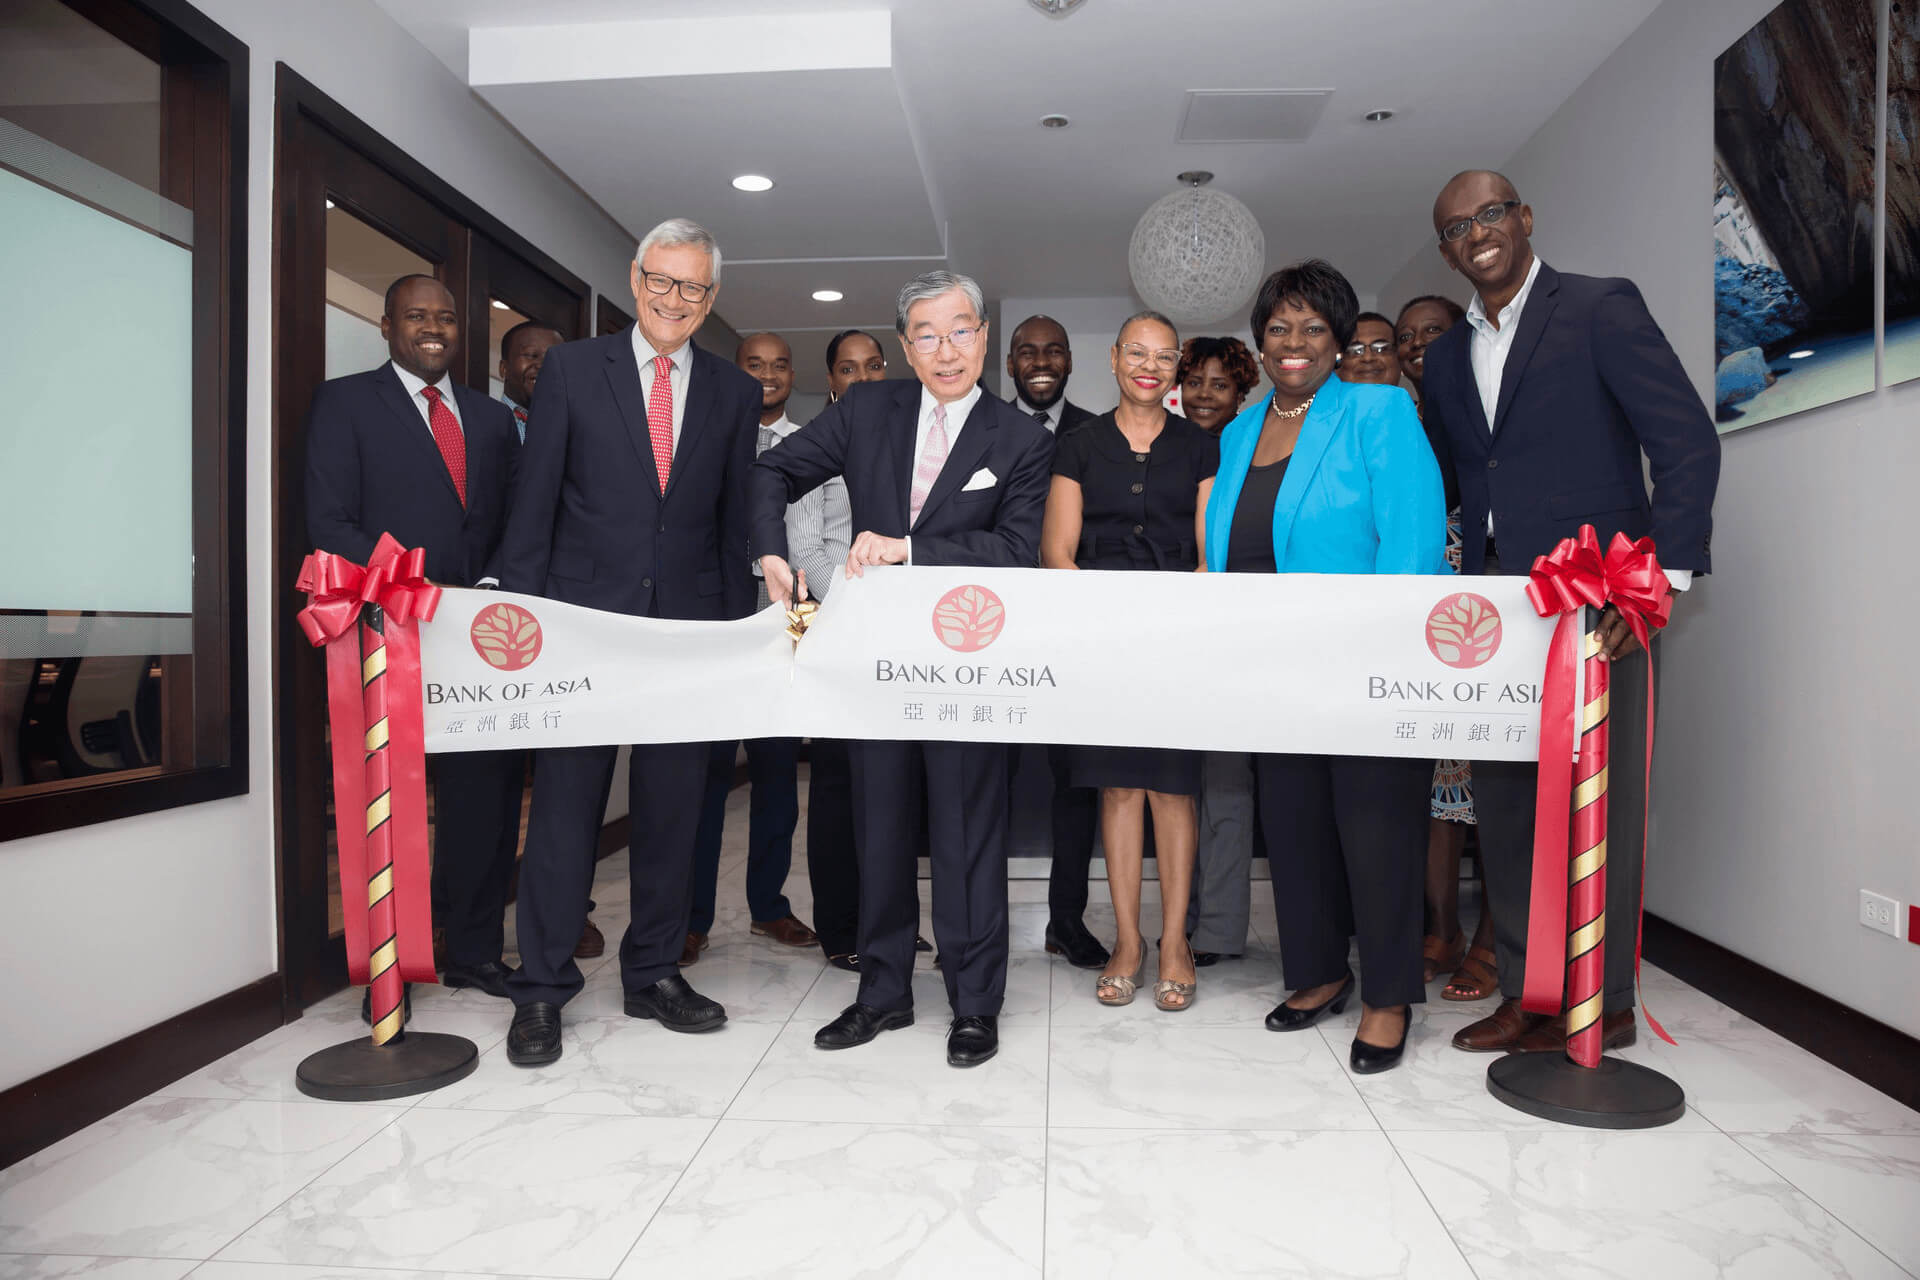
{"points": [[937, 473]]}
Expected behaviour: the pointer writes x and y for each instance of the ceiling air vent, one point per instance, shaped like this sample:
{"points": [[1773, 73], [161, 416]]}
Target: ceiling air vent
{"points": [[1257, 115]]}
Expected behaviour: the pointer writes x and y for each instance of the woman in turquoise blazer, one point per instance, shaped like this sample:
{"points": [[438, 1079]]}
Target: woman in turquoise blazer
{"points": [[1327, 477]]}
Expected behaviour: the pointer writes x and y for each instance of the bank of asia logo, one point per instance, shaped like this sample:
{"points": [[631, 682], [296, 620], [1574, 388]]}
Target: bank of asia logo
{"points": [[968, 619], [1463, 630], [506, 636]]}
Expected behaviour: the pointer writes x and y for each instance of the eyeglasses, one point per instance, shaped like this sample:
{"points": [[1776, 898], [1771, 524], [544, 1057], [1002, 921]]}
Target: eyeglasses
{"points": [[1492, 215], [690, 290], [960, 339], [1165, 358], [1379, 347]]}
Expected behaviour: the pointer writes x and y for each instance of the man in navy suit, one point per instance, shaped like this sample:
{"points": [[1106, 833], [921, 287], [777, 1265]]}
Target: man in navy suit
{"points": [[1547, 399], [404, 450], [938, 473], [631, 498]]}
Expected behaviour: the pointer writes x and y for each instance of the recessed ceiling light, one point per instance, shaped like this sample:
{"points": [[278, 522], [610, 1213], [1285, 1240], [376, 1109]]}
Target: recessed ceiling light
{"points": [[1801, 354], [1377, 117], [1054, 121], [499, 305], [752, 182], [827, 295], [329, 204]]}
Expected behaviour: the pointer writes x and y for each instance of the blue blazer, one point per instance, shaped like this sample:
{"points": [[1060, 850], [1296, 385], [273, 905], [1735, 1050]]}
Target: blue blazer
{"points": [[1589, 386], [1362, 494]]}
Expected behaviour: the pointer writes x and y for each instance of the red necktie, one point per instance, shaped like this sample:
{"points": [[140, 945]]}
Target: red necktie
{"points": [[660, 417], [446, 434]]}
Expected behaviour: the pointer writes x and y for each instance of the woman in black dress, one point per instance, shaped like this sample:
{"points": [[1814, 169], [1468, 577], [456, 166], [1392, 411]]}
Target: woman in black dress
{"points": [[1128, 487]]}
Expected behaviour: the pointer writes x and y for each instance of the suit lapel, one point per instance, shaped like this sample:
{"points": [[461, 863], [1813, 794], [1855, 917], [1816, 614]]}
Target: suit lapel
{"points": [[976, 438], [700, 386], [905, 420], [1462, 360], [1533, 323], [623, 378], [413, 430]]}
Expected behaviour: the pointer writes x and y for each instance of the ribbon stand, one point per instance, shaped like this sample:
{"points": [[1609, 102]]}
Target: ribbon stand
{"points": [[365, 618], [1582, 1086]]}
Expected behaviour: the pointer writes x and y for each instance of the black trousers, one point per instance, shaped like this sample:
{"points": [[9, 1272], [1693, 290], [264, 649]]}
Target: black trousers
{"points": [[1075, 820], [1503, 802], [476, 832], [569, 800], [832, 871], [1346, 841], [964, 786]]}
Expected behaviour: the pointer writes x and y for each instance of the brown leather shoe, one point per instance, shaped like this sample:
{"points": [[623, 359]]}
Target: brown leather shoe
{"points": [[789, 931], [696, 943], [1617, 1031], [1498, 1030], [592, 942]]}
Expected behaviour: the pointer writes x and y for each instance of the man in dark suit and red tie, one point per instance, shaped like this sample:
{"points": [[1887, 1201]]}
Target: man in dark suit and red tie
{"points": [[404, 450], [632, 499], [1547, 399], [937, 473]]}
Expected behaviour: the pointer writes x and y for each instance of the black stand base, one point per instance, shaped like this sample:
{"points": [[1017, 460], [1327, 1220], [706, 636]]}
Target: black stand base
{"points": [[412, 1062], [1613, 1095]]}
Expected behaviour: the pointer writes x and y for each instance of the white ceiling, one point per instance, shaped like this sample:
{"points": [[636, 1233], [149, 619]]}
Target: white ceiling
{"points": [[904, 134]]}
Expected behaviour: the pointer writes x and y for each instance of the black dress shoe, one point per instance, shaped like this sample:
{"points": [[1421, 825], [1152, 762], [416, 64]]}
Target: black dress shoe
{"points": [[406, 1005], [859, 1023], [677, 1005], [972, 1039], [850, 961], [534, 1038], [921, 944], [1368, 1059], [1207, 959], [1287, 1018], [1072, 939], [489, 976]]}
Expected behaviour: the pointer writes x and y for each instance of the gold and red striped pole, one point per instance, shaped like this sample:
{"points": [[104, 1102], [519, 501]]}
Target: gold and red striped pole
{"points": [[385, 990], [1587, 873]]}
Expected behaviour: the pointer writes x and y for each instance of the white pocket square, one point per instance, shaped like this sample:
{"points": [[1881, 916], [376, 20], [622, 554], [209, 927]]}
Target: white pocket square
{"points": [[981, 479]]}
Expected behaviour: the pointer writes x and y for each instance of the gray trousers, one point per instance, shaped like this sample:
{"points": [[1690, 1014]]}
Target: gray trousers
{"points": [[1217, 912]]}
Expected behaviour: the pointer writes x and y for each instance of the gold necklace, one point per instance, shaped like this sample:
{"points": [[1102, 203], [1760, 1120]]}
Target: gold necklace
{"points": [[1278, 412]]}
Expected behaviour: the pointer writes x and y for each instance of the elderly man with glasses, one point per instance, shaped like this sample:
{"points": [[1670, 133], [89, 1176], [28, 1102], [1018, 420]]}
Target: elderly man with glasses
{"points": [[937, 473], [631, 498]]}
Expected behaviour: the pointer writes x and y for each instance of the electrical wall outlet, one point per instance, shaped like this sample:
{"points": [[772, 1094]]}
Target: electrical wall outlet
{"points": [[1879, 912]]}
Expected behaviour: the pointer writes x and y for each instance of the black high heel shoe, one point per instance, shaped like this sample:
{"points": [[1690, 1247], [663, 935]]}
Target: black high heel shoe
{"points": [[1371, 1059], [1287, 1018]]}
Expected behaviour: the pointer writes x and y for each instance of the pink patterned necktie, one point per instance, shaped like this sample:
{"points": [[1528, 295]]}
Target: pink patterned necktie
{"points": [[660, 417], [446, 434], [933, 456]]}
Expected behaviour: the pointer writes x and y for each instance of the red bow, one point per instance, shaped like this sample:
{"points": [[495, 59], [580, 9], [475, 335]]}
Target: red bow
{"points": [[1575, 575], [394, 579], [338, 592]]}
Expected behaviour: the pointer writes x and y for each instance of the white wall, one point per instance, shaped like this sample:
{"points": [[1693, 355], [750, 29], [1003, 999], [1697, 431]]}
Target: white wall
{"points": [[111, 928], [1788, 749]]}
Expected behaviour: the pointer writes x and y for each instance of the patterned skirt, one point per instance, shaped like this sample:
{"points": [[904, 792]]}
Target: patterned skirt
{"points": [[1453, 790]]}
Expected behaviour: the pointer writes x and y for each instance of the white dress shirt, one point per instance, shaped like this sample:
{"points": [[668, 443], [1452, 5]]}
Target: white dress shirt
{"points": [[677, 376], [957, 414], [414, 386], [1488, 349]]}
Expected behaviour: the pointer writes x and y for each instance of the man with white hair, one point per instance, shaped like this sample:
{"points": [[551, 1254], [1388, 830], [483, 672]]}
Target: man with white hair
{"points": [[631, 497], [937, 473]]}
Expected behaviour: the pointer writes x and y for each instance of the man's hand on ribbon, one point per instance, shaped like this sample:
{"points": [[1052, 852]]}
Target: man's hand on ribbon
{"points": [[873, 548], [1616, 637], [782, 587]]}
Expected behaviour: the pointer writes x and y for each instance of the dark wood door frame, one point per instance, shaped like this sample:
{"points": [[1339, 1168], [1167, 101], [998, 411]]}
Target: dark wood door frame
{"points": [[323, 151]]}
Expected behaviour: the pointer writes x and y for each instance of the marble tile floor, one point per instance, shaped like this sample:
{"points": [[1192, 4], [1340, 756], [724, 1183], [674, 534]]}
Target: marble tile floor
{"points": [[1100, 1143]]}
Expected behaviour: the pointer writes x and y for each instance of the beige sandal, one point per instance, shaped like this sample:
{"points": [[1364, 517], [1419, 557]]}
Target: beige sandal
{"points": [[1168, 987], [1117, 990]]}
